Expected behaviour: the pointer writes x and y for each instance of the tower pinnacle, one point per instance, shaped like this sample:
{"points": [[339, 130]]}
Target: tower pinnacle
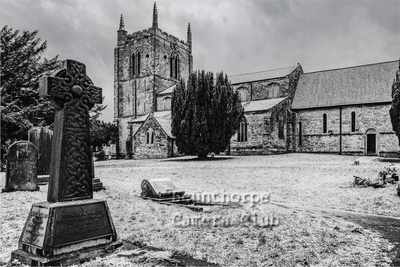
{"points": [[155, 16], [189, 36], [121, 23]]}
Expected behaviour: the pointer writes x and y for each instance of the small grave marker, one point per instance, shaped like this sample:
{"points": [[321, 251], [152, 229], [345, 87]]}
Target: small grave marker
{"points": [[21, 173], [42, 138]]}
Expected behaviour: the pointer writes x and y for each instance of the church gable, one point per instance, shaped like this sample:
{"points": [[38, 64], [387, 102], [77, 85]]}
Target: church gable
{"points": [[151, 140]]}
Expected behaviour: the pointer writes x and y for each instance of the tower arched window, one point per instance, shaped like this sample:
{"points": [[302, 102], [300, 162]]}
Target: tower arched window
{"points": [[138, 63], [174, 67], [133, 61], [135, 64]]}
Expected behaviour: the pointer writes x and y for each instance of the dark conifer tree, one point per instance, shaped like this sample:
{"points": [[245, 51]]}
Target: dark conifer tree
{"points": [[22, 63], [395, 108], [205, 115]]}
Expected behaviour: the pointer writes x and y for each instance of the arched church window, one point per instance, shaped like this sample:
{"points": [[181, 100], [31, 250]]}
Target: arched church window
{"points": [[324, 123], [242, 131], [272, 90], [174, 67], [167, 103], [171, 67], [353, 121], [149, 137], [135, 64], [138, 64]]}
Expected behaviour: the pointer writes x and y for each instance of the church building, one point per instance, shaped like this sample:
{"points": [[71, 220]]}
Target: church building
{"points": [[147, 66], [267, 125], [344, 111]]}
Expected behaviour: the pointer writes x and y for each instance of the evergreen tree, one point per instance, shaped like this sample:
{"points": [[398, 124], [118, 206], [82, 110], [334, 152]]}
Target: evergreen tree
{"points": [[205, 115], [22, 64], [102, 133], [395, 108]]}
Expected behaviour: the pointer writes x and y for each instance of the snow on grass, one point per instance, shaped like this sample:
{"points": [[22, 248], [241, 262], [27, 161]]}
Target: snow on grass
{"points": [[300, 238]]}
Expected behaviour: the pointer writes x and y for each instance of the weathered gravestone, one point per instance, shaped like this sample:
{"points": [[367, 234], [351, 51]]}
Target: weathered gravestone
{"points": [[21, 167], [71, 226], [42, 138]]}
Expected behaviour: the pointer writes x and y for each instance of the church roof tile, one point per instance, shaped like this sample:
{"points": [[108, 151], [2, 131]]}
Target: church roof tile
{"points": [[347, 86]]}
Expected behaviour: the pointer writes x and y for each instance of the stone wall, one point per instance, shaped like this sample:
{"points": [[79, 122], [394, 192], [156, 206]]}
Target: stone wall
{"points": [[255, 132], [123, 132], [272, 88], [263, 125], [368, 118], [269, 88], [164, 102], [161, 148], [166, 47], [263, 133]]}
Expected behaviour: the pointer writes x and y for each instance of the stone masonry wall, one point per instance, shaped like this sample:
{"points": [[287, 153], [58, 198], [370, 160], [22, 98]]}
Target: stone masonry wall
{"points": [[159, 149], [123, 132], [272, 88], [255, 132], [164, 102], [263, 133], [368, 117]]}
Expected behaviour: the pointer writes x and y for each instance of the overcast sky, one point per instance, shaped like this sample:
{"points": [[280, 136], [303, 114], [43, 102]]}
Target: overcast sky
{"points": [[231, 35]]}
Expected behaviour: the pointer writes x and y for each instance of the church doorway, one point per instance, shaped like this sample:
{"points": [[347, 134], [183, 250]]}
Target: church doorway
{"points": [[371, 142]]}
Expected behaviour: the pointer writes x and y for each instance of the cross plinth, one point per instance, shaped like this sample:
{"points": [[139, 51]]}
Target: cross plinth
{"points": [[71, 168]]}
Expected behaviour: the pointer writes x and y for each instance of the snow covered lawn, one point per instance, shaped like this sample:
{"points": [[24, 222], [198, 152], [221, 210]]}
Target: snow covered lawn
{"points": [[302, 237]]}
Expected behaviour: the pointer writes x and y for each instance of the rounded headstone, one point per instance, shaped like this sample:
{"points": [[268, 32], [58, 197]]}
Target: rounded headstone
{"points": [[21, 173]]}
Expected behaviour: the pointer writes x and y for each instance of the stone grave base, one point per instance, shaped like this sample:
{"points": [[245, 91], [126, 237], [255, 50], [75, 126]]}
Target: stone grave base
{"points": [[97, 184], [43, 179], [72, 258], [28, 186], [66, 232]]}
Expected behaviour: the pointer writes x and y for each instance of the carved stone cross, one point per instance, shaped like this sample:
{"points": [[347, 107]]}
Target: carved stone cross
{"points": [[71, 167]]}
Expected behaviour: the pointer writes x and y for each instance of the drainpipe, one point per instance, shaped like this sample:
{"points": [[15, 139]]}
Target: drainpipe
{"points": [[117, 147], [340, 130]]}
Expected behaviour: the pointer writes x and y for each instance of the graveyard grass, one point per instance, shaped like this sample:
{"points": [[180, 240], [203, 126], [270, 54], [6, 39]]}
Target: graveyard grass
{"points": [[302, 237]]}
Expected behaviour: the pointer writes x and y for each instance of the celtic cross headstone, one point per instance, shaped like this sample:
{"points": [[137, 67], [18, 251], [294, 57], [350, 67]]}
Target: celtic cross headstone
{"points": [[71, 223], [71, 168]]}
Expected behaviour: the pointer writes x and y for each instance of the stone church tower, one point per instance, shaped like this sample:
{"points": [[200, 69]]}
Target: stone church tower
{"points": [[147, 66]]}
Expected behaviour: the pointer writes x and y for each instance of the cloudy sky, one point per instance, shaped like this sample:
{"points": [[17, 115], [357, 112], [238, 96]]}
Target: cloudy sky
{"points": [[231, 35]]}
